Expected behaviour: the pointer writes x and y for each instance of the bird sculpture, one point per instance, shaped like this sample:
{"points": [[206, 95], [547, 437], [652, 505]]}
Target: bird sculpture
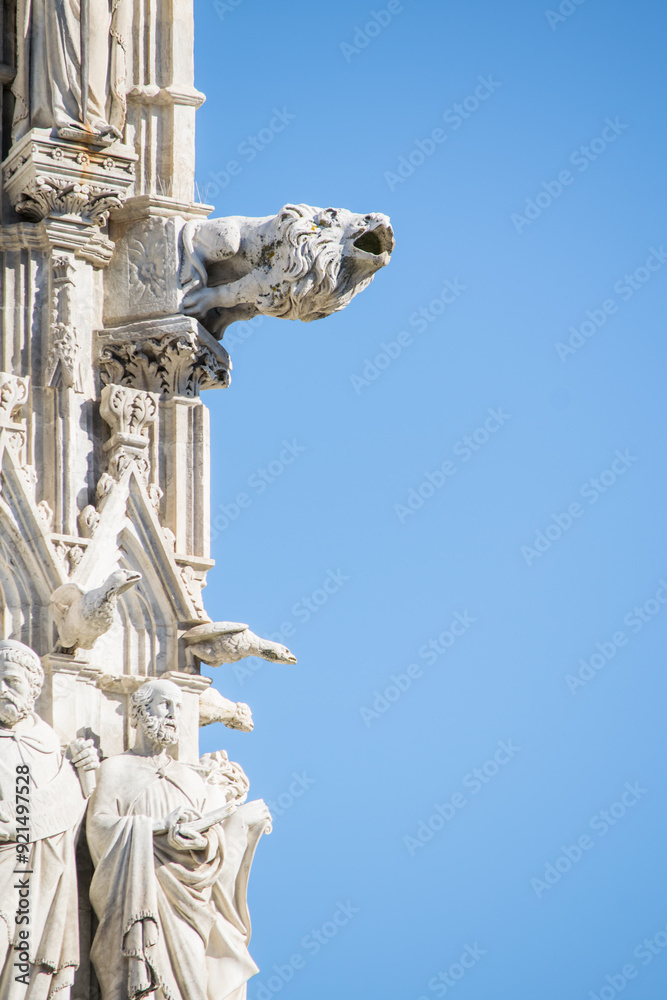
{"points": [[216, 643], [81, 617]]}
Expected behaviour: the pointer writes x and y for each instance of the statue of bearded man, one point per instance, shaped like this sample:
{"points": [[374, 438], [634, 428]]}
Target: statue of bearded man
{"points": [[71, 66], [41, 808], [170, 894]]}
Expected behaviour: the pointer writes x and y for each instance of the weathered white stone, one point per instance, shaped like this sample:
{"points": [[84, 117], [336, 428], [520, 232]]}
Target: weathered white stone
{"points": [[83, 616], [42, 802], [113, 290], [71, 66], [187, 930], [303, 263], [215, 643], [213, 707]]}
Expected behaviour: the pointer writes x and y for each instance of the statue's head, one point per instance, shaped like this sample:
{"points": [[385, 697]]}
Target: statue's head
{"points": [[21, 679], [155, 709], [330, 256]]}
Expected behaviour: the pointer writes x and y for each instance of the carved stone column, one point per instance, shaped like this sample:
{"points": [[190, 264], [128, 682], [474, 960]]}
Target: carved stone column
{"points": [[162, 101]]}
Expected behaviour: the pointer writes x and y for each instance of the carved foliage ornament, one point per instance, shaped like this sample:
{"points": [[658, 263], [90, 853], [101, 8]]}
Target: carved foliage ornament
{"points": [[130, 414], [13, 394], [63, 361], [57, 196], [172, 364], [128, 411]]}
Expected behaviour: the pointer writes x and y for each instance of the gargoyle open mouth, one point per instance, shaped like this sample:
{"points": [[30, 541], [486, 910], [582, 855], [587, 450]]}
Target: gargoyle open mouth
{"points": [[376, 241]]}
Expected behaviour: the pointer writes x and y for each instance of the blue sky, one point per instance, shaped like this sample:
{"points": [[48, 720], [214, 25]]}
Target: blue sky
{"points": [[460, 529]]}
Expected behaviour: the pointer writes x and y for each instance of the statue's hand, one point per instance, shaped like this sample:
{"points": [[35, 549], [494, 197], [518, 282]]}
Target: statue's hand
{"points": [[197, 301], [256, 813], [179, 836], [84, 755], [7, 828]]}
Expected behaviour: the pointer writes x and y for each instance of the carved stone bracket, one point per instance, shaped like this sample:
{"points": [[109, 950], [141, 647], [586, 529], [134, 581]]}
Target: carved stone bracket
{"points": [[130, 414], [70, 186], [44, 176], [174, 356], [53, 195]]}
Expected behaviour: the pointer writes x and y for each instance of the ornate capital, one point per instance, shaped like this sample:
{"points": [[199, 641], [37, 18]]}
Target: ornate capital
{"points": [[130, 414], [71, 186], [44, 176], [172, 357]]}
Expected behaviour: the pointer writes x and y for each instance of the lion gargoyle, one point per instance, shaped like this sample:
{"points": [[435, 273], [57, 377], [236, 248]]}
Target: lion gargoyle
{"points": [[304, 263]]}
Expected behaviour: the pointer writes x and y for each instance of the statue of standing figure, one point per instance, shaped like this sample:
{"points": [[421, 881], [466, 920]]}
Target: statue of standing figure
{"points": [[71, 67], [42, 802], [172, 852]]}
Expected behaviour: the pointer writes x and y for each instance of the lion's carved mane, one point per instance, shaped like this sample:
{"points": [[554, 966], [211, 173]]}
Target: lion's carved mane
{"points": [[303, 263]]}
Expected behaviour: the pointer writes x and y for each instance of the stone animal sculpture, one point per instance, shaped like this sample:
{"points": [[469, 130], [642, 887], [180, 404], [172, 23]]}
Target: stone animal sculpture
{"points": [[303, 263], [214, 707], [216, 643], [81, 617]]}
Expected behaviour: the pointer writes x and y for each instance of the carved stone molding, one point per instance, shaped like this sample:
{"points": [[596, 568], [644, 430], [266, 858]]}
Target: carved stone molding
{"points": [[53, 195], [70, 550], [193, 585], [71, 187], [173, 357], [89, 518], [45, 176], [24, 236], [63, 363], [13, 394], [129, 413]]}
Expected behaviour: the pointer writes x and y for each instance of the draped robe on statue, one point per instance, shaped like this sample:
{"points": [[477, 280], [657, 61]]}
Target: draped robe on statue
{"points": [[55, 811], [48, 84], [175, 921]]}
